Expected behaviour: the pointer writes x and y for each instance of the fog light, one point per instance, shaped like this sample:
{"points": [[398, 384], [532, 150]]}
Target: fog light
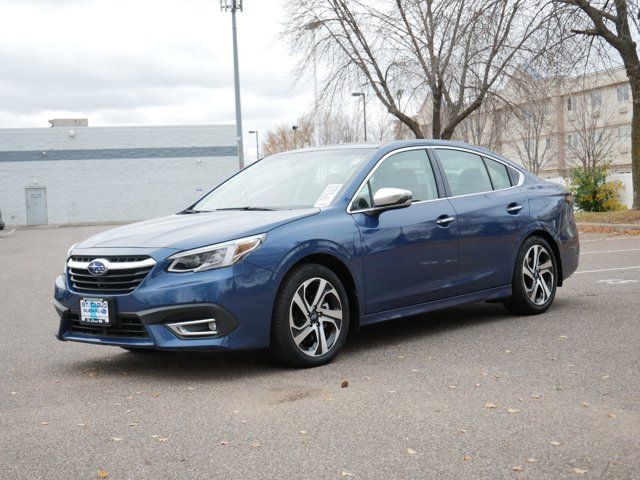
{"points": [[195, 328]]}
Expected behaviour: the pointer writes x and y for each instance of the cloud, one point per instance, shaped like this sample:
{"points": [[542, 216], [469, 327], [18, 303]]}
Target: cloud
{"points": [[122, 62]]}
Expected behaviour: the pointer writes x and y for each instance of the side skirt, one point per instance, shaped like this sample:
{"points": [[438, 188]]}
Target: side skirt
{"points": [[483, 295]]}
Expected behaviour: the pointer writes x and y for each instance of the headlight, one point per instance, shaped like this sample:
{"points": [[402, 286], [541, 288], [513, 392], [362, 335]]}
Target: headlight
{"points": [[214, 256]]}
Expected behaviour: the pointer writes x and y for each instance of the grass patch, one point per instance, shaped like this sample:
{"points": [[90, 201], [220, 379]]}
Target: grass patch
{"points": [[627, 216]]}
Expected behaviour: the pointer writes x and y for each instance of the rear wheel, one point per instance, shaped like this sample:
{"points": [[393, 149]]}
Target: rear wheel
{"points": [[311, 317], [534, 278]]}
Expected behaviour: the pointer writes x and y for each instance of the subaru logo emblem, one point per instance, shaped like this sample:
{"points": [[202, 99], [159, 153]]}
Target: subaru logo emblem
{"points": [[97, 268]]}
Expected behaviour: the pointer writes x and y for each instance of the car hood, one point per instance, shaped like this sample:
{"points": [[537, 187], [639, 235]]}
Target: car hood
{"points": [[186, 231]]}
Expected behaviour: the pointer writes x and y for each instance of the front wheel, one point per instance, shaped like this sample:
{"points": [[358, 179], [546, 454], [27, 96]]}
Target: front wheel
{"points": [[310, 318], [534, 278]]}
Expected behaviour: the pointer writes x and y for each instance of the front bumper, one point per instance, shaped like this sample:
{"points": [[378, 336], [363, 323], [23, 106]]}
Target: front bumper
{"points": [[239, 298]]}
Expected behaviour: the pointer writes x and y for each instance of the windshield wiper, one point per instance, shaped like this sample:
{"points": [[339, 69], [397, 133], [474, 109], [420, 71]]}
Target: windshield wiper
{"points": [[263, 209], [191, 210]]}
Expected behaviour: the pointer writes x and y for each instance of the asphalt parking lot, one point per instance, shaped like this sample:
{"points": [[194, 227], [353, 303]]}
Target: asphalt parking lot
{"points": [[465, 393]]}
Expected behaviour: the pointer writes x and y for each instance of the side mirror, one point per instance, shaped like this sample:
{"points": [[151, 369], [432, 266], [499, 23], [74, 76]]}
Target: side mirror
{"points": [[392, 198]]}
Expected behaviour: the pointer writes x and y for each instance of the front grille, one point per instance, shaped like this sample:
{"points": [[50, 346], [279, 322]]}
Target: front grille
{"points": [[126, 327], [120, 278]]}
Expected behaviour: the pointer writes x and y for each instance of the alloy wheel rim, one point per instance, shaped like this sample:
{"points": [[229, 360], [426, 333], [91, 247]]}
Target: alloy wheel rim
{"points": [[315, 317], [537, 273]]}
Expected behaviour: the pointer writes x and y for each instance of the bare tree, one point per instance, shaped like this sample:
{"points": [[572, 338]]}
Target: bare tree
{"points": [[484, 126], [615, 23], [333, 128], [592, 140], [452, 52], [533, 117]]}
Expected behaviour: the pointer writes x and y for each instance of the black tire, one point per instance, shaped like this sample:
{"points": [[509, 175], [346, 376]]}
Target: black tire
{"points": [[525, 300], [303, 354]]}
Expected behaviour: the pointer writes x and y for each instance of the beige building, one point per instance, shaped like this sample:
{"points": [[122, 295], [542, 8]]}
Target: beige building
{"points": [[551, 124]]}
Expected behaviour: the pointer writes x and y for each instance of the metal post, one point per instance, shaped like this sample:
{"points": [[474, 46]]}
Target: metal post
{"points": [[257, 144], [235, 5], [364, 109]]}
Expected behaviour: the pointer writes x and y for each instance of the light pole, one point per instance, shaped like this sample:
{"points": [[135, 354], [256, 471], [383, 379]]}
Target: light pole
{"points": [[313, 26], [233, 6], [257, 144], [295, 130], [364, 109]]}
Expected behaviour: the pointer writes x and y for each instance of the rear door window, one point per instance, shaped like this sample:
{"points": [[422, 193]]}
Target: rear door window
{"points": [[465, 172], [498, 173]]}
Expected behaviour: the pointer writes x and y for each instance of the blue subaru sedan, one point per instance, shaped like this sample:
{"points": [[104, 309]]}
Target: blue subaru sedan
{"points": [[300, 249]]}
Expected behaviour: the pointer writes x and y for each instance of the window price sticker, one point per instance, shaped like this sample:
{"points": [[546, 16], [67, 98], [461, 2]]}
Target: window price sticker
{"points": [[328, 195]]}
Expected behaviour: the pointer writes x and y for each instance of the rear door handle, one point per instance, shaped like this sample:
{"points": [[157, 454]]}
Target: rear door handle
{"points": [[444, 220], [514, 208]]}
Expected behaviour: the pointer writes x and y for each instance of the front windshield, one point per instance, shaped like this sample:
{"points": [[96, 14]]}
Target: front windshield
{"points": [[287, 181]]}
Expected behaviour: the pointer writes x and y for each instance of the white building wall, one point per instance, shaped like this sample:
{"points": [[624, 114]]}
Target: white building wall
{"points": [[112, 188]]}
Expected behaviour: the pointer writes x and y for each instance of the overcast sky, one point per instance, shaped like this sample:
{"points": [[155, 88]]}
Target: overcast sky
{"points": [[141, 62]]}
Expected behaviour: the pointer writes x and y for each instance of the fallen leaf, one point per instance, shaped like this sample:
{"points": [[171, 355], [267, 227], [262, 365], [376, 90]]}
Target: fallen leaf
{"points": [[344, 384], [462, 430], [606, 376], [14, 393], [466, 458], [116, 439], [531, 460], [512, 410], [236, 411], [368, 378], [452, 387], [303, 432], [585, 404], [496, 376], [245, 421], [563, 336], [535, 396], [411, 451], [344, 473], [507, 351], [516, 469], [154, 436], [44, 423], [155, 394], [190, 388], [612, 415], [162, 439], [555, 444], [129, 411], [255, 445], [129, 397], [81, 424], [553, 359], [329, 399], [477, 385], [102, 474], [490, 405], [414, 370], [579, 471], [133, 424]]}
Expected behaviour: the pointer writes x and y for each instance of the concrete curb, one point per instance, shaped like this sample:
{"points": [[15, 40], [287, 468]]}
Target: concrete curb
{"points": [[612, 226]]}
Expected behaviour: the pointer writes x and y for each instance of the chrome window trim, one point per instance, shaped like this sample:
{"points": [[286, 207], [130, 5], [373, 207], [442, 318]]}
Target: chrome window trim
{"points": [[433, 147], [148, 262]]}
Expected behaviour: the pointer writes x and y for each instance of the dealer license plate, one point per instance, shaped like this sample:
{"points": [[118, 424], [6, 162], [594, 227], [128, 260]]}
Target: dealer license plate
{"points": [[94, 311]]}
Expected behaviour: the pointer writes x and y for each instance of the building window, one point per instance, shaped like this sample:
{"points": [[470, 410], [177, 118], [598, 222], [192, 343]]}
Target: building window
{"points": [[547, 143], [597, 136], [624, 133], [623, 93], [571, 103], [596, 99], [572, 140]]}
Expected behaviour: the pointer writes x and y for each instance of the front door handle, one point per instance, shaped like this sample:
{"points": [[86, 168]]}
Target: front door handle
{"points": [[444, 220], [514, 208]]}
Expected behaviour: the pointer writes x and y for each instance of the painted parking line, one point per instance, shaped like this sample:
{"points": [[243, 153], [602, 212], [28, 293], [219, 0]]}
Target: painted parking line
{"points": [[606, 239], [607, 270], [612, 251]]}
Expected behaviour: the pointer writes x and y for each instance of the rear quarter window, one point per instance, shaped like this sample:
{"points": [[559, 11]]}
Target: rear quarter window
{"points": [[499, 174]]}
